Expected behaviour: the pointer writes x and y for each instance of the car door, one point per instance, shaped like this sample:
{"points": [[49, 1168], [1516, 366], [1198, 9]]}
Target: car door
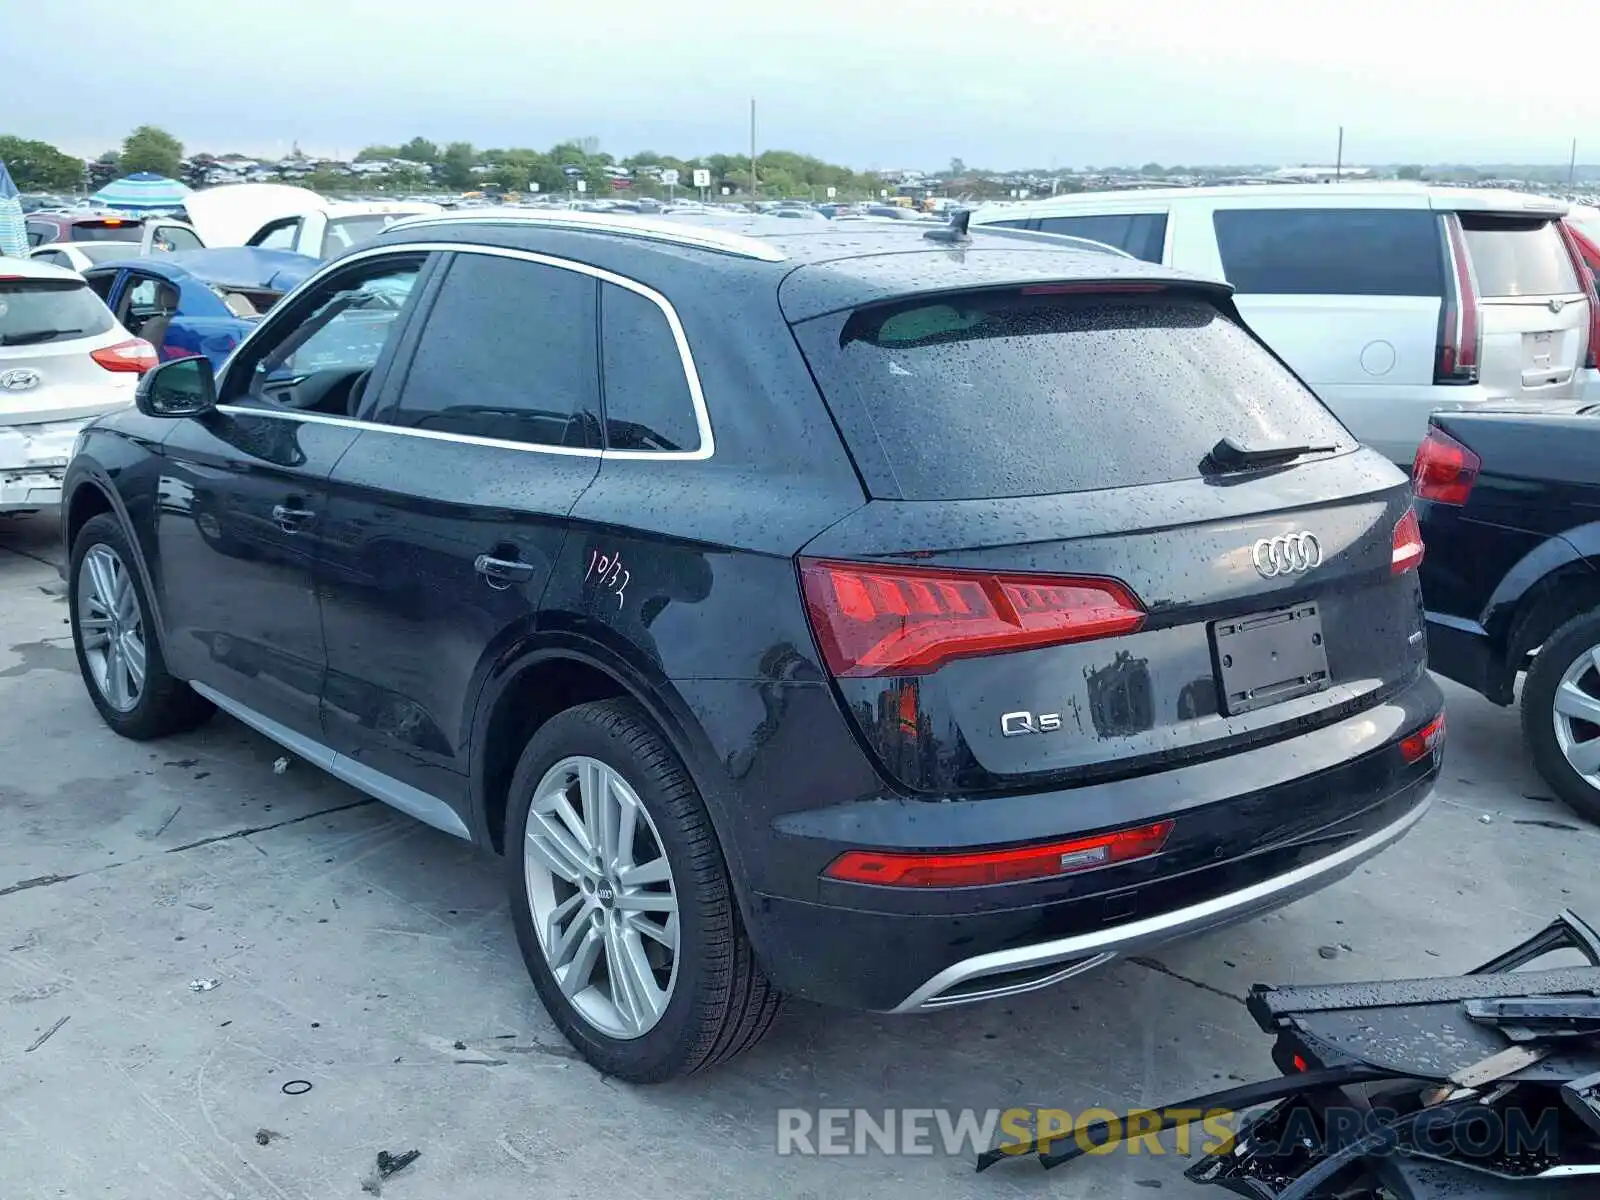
{"points": [[238, 542], [447, 514]]}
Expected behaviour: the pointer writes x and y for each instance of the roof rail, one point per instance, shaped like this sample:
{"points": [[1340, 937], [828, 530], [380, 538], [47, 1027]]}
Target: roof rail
{"points": [[683, 233]]}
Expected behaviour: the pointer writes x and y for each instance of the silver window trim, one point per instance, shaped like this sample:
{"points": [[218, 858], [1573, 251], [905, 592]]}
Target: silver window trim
{"points": [[687, 233], [702, 418]]}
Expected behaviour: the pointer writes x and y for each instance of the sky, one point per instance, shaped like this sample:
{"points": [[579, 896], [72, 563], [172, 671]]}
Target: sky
{"points": [[871, 83]]}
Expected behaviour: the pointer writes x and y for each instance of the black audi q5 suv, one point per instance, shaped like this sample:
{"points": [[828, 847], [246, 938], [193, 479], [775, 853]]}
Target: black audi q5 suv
{"points": [[894, 616]]}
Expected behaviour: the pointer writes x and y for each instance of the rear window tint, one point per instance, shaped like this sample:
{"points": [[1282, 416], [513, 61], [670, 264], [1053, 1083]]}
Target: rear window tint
{"points": [[105, 231], [1331, 252], [1516, 256], [1007, 393], [37, 311]]}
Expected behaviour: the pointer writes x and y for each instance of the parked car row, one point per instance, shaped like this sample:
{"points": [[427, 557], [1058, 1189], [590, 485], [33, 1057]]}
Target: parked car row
{"points": [[793, 635]]}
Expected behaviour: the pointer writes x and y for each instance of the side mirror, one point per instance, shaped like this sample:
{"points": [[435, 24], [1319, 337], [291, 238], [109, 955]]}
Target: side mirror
{"points": [[184, 387]]}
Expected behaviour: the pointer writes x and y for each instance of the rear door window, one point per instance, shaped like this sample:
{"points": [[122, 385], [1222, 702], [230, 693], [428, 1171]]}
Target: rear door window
{"points": [[1023, 392], [1518, 256], [648, 403], [1331, 252], [36, 312], [507, 351], [1143, 235]]}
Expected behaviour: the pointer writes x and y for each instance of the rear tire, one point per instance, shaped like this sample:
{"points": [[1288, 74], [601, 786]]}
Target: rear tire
{"points": [[1561, 692], [118, 647], [708, 1003]]}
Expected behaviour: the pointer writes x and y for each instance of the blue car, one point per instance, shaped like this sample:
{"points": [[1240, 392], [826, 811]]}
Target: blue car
{"points": [[198, 301]]}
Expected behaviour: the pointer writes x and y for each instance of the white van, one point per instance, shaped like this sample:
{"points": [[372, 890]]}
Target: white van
{"points": [[1391, 300]]}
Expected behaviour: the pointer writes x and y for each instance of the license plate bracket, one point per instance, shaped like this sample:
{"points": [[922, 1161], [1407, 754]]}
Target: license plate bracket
{"points": [[1267, 658]]}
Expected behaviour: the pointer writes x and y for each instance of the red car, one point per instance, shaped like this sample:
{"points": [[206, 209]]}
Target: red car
{"points": [[46, 228]]}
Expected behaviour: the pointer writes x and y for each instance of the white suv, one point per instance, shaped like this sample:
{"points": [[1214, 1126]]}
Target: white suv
{"points": [[1391, 300], [64, 359]]}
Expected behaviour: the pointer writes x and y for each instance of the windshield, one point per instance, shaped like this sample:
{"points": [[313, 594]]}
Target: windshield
{"points": [[1025, 392], [36, 311], [344, 232]]}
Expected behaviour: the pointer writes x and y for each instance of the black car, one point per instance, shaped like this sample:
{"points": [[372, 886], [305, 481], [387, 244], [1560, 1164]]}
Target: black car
{"points": [[895, 619], [1508, 504]]}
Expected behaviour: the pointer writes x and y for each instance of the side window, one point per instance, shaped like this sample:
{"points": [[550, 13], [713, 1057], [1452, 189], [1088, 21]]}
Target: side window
{"points": [[1331, 252], [508, 352], [101, 284], [54, 257], [279, 235], [648, 403], [1143, 235], [318, 357], [169, 239], [40, 233]]}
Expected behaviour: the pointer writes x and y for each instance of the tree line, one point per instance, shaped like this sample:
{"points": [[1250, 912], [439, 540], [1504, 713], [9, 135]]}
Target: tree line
{"points": [[421, 164]]}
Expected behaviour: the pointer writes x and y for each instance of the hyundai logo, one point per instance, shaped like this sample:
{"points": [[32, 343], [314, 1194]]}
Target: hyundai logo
{"points": [[19, 379], [1286, 555]]}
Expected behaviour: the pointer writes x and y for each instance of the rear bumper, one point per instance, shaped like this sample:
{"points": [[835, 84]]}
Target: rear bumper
{"points": [[33, 460], [1010, 972], [1252, 831]]}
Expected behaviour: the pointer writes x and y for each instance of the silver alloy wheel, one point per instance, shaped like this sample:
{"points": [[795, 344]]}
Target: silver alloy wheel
{"points": [[1577, 715], [111, 627], [602, 897]]}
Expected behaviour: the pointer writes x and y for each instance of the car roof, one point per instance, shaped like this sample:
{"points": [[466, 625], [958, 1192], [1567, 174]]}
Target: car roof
{"points": [[821, 265], [1317, 195], [227, 266], [33, 268]]}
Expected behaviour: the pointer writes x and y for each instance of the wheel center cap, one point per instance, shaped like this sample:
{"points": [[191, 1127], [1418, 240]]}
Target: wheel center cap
{"points": [[604, 892]]}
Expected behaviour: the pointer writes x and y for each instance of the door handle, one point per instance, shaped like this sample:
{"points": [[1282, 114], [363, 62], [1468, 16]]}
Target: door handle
{"points": [[291, 520], [501, 573]]}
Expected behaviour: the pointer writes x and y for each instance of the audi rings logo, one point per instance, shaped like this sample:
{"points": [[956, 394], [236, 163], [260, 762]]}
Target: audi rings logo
{"points": [[1286, 555]]}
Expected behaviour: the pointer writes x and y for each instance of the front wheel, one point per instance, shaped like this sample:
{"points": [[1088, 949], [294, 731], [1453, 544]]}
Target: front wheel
{"points": [[1561, 713], [622, 904], [113, 632]]}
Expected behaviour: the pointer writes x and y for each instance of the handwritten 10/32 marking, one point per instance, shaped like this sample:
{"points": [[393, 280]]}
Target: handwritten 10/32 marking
{"points": [[609, 571]]}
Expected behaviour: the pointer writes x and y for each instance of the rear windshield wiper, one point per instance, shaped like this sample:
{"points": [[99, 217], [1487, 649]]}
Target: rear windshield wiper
{"points": [[34, 335], [1229, 455]]}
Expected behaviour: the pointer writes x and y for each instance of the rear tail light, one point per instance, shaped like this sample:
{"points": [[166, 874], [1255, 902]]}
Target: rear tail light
{"points": [[1407, 554], [134, 355], [893, 620], [897, 869], [1423, 742], [1444, 470], [1457, 356], [1581, 249]]}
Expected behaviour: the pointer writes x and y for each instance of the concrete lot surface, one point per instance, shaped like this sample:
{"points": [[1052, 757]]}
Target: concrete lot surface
{"points": [[372, 957]]}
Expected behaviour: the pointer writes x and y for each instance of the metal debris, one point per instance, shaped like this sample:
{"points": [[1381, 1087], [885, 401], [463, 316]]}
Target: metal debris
{"points": [[279, 766], [388, 1164], [47, 1035], [265, 1136], [203, 985], [1486, 819]]}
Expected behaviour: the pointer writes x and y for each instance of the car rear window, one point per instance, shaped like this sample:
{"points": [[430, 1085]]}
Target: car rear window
{"points": [[1029, 392], [109, 230], [1518, 256], [36, 311], [1331, 252]]}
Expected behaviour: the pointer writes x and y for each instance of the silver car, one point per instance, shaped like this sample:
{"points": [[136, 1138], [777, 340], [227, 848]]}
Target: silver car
{"points": [[64, 360]]}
